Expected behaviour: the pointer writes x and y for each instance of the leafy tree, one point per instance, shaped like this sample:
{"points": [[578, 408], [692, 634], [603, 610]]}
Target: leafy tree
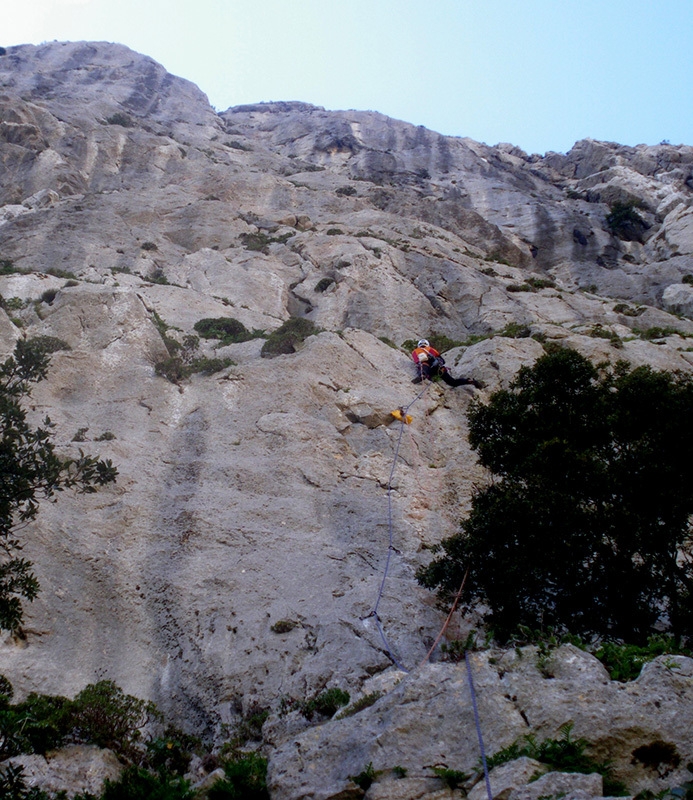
{"points": [[30, 469], [586, 524], [14, 787], [103, 714]]}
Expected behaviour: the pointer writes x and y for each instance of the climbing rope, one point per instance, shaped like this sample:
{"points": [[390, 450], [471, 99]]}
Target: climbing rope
{"points": [[447, 621], [404, 421], [470, 678]]}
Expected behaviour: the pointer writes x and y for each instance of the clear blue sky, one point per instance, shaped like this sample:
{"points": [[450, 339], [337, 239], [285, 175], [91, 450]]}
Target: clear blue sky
{"points": [[538, 73]]}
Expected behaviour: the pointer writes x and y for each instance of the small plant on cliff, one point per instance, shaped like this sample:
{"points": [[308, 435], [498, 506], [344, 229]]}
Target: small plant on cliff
{"points": [[30, 469], [624, 221], [182, 361], [582, 527], [564, 754], [452, 778], [365, 778], [323, 284], [287, 337], [625, 661], [7, 267], [137, 783], [227, 329], [363, 702], [325, 704], [245, 778], [122, 119]]}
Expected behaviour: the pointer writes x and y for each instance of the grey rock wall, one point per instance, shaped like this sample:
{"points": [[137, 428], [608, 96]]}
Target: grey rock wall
{"points": [[258, 494]]}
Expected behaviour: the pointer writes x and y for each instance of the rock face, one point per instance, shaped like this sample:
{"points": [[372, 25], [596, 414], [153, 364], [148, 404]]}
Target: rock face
{"points": [[130, 210], [81, 768], [427, 721]]}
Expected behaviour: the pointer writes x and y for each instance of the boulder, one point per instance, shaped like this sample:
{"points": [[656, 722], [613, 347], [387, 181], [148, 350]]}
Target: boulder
{"points": [[560, 784], [507, 778], [74, 770], [678, 298]]}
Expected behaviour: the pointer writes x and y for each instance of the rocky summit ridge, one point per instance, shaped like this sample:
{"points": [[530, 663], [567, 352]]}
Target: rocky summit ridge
{"points": [[237, 558]]}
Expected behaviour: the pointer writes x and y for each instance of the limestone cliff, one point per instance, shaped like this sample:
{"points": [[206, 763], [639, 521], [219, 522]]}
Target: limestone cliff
{"points": [[257, 494]]}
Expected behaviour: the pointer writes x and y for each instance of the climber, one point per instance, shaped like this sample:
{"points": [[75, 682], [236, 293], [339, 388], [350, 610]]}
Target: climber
{"points": [[431, 364]]}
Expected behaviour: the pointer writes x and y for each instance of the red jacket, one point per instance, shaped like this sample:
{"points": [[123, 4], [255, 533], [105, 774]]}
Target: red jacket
{"points": [[431, 352]]}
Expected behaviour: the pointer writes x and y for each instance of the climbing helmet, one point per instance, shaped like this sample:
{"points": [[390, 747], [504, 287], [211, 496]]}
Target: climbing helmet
{"points": [[423, 343]]}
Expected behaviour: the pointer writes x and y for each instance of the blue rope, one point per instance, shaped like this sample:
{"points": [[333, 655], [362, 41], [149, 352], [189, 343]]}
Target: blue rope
{"points": [[390, 526], [477, 723]]}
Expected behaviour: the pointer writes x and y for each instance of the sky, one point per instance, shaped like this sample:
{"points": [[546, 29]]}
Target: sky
{"points": [[540, 74]]}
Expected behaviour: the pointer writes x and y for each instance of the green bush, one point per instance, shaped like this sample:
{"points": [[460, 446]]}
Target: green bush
{"points": [[234, 145], [208, 366], [452, 778], [247, 729], [137, 783], [628, 311], [288, 337], [531, 285], [625, 222], [172, 752], [172, 345], [148, 246], [515, 330], [363, 702], [562, 755], [177, 368], [172, 368], [284, 626], [657, 333], [13, 303], [122, 119], [496, 258], [33, 726], [48, 344], [323, 284], [598, 332], [245, 779], [227, 329], [625, 661], [7, 267], [157, 276], [325, 704], [365, 778], [13, 785], [260, 242], [101, 714], [542, 283], [56, 272], [104, 715], [589, 507]]}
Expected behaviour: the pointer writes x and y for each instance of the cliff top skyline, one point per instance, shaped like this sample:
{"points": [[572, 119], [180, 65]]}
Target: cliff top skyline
{"points": [[541, 79]]}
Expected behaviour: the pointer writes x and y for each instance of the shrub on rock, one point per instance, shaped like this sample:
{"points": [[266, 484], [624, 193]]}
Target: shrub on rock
{"points": [[588, 513]]}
